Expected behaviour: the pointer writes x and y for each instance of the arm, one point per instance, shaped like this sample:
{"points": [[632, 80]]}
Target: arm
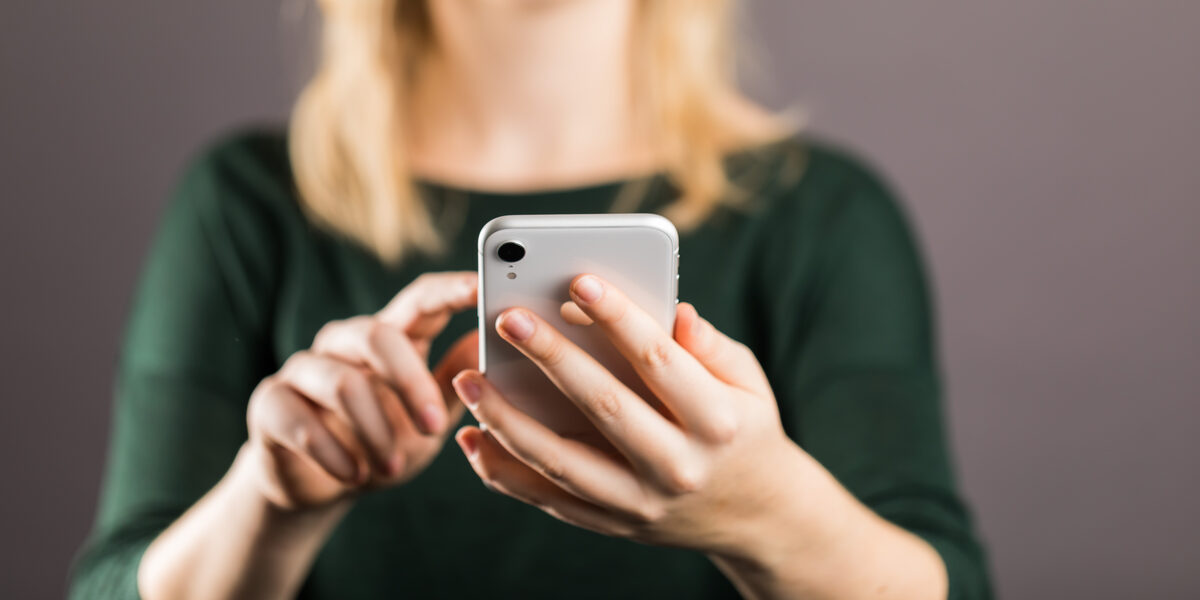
{"points": [[196, 395], [194, 349], [854, 362], [235, 543], [357, 411]]}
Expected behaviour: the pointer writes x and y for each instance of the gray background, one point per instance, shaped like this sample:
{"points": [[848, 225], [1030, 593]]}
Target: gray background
{"points": [[1048, 151]]}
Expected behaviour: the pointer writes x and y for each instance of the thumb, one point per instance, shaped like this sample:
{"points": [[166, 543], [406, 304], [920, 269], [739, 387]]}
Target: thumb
{"points": [[462, 355], [726, 358]]}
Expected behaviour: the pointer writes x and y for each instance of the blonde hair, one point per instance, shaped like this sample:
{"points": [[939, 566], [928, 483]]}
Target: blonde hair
{"points": [[347, 136]]}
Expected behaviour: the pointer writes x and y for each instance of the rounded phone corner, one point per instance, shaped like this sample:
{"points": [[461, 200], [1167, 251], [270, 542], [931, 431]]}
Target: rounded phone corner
{"points": [[489, 228], [664, 225]]}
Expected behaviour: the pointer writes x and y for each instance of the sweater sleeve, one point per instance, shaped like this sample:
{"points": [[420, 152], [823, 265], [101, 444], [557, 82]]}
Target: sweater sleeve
{"points": [[195, 347], [853, 359]]}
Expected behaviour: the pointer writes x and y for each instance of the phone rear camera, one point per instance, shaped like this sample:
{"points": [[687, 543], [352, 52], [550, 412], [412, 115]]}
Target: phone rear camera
{"points": [[511, 252]]}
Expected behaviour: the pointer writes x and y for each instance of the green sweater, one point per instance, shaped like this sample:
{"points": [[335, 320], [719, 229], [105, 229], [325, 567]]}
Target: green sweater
{"points": [[816, 271]]}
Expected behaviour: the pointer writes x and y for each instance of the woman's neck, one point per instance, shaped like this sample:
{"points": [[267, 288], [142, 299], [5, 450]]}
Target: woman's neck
{"points": [[527, 94]]}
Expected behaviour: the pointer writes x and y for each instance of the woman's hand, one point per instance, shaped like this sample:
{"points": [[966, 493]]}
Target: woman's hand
{"points": [[694, 474], [711, 470], [360, 408]]}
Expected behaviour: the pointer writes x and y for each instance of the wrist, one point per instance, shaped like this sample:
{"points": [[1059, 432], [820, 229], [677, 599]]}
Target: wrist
{"points": [[245, 488], [802, 517], [235, 531], [814, 538]]}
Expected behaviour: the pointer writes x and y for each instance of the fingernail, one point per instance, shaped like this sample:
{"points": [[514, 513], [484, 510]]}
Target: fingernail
{"points": [[396, 465], [431, 417], [470, 446], [589, 289], [468, 390], [517, 325]]}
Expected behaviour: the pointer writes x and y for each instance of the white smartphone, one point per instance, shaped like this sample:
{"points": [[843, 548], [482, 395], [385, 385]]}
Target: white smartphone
{"points": [[530, 260]]}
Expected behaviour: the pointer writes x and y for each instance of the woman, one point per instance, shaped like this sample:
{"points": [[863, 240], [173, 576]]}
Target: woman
{"points": [[278, 431]]}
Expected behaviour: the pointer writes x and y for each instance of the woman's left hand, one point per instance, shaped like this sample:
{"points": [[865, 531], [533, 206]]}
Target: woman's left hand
{"points": [[699, 473]]}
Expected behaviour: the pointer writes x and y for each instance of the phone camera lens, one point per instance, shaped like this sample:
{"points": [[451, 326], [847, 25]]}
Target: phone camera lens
{"points": [[511, 252]]}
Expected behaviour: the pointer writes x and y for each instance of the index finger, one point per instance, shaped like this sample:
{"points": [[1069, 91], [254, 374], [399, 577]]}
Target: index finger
{"points": [[672, 373], [424, 306]]}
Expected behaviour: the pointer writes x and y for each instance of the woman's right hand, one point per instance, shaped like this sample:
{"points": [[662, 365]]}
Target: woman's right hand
{"points": [[360, 409]]}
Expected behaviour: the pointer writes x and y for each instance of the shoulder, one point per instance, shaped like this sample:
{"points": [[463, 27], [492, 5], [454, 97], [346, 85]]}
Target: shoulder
{"points": [[812, 178], [253, 152], [814, 193], [824, 209], [238, 190], [233, 208], [243, 170]]}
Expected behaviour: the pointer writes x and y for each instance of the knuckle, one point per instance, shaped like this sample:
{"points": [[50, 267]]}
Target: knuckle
{"points": [[294, 361], [490, 484], [346, 383], [268, 386], [552, 468], [303, 437], [624, 531], [553, 352], [723, 429], [605, 404], [423, 281], [262, 398], [254, 409], [327, 331], [648, 512], [683, 477], [615, 311], [706, 349], [656, 355], [497, 486], [376, 333], [485, 413], [743, 350], [532, 498]]}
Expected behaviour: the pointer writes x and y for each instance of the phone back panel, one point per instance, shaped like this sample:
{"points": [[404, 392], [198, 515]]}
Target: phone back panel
{"points": [[636, 252]]}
